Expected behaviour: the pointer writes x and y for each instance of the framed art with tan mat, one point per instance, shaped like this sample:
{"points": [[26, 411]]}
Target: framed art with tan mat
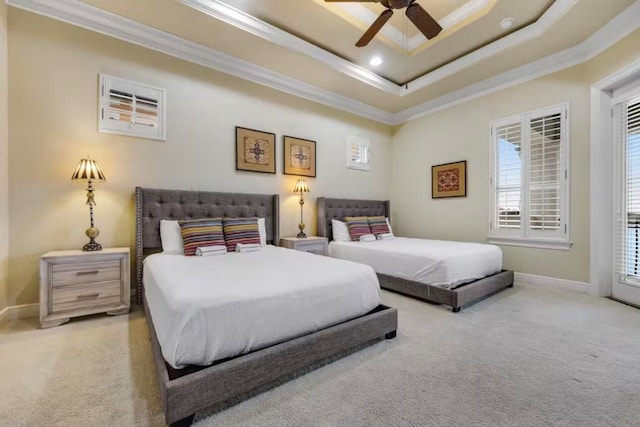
{"points": [[449, 180], [299, 156], [255, 150]]}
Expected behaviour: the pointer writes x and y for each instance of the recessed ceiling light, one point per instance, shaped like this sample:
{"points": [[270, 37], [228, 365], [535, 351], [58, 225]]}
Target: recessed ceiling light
{"points": [[506, 23], [375, 61]]}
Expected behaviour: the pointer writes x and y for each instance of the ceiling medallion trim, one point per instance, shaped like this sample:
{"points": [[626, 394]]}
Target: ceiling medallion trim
{"points": [[77, 13], [220, 10]]}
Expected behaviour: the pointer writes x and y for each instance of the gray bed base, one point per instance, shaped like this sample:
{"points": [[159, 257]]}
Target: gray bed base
{"points": [[187, 391], [465, 295]]}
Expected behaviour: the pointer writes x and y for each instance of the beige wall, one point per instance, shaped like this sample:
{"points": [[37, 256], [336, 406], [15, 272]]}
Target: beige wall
{"points": [[53, 75], [462, 133], [4, 160]]}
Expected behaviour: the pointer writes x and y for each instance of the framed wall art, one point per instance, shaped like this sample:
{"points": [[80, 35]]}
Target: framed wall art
{"points": [[255, 150], [299, 156], [449, 180]]}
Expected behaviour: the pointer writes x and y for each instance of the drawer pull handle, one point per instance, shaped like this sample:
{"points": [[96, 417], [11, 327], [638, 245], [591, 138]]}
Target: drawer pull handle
{"points": [[88, 296], [87, 273]]}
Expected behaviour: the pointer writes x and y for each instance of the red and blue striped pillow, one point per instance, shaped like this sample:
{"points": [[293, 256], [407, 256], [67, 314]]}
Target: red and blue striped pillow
{"points": [[240, 230], [201, 232], [378, 225], [357, 226]]}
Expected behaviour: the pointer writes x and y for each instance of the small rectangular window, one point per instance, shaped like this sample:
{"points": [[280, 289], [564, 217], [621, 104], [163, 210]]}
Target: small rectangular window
{"points": [[357, 153], [132, 109]]}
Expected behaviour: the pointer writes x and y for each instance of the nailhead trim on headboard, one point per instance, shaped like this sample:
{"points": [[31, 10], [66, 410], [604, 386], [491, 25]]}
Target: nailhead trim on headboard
{"points": [[328, 209], [153, 205]]}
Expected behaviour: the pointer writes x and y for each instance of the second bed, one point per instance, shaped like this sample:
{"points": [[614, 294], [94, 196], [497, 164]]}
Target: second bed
{"points": [[446, 272]]}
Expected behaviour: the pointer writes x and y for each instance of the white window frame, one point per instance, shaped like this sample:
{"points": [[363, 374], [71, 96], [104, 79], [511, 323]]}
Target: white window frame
{"points": [[106, 125], [524, 236], [364, 149], [620, 183]]}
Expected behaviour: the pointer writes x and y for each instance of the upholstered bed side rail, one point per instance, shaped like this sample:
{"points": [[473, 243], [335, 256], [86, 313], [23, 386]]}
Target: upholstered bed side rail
{"points": [[328, 209], [154, 205]]}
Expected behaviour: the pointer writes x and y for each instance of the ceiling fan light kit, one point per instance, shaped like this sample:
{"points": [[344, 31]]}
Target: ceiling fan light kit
{"points": [[416, 14]]}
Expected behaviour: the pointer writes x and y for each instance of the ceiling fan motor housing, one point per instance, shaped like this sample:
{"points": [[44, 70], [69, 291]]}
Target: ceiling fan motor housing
{"points": [[396, 4]]}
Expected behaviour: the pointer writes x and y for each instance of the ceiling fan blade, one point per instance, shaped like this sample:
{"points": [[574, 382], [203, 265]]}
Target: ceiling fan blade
{"points": [[425, 22], [374, 28]]}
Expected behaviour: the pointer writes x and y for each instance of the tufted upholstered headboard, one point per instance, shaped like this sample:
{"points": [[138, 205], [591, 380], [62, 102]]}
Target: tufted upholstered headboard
{"points": [[328, 209], [153, 205]]}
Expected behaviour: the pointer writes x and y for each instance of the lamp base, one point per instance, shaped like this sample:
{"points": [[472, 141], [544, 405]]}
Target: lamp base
{"points": [[301, 234], [92, 246], [92, 232]]}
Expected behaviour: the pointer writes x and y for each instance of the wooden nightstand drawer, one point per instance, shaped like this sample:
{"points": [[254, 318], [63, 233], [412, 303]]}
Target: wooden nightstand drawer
{"points": [[88, 272], [317, 248], [83, 296], [311, 244], [77, 283]]}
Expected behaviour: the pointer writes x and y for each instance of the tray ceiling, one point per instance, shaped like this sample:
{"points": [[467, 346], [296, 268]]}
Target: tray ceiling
{"points": [[313, 42]]}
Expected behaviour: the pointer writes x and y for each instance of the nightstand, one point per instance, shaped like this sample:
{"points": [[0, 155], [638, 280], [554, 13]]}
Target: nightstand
{"points": [[76, 283], [312, 244]]}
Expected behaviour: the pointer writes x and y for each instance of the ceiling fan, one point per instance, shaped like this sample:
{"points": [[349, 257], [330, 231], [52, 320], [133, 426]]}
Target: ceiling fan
{"points": [[420, 18]]}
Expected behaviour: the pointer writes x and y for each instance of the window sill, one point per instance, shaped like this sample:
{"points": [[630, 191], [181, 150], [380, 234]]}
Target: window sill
{"points": [[531, 243]]}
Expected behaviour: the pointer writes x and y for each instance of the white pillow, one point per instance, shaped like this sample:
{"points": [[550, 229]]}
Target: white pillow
{"points": [[262, 230], [171, 237], [340, 231], [367, 238], [390, 229]]}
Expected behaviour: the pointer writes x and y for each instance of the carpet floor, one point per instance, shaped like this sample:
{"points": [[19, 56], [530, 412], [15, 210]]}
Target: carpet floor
{"points": [[524, 357]]}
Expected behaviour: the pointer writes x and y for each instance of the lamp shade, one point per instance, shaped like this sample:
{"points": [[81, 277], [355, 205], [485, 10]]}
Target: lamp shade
{"points": [[301, 187], [88, 170]]}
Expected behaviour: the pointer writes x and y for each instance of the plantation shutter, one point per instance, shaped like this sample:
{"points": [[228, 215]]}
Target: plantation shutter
{"points": [[628, 221], [545, 174], [131, 108], [508, 177], [530, 179]]}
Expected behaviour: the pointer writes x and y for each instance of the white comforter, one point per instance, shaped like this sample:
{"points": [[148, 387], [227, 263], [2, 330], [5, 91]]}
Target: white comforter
{"points": [[210, 308], [436, 262]]}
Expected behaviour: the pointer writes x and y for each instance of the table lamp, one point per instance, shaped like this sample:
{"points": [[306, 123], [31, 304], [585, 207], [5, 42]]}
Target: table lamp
{"points": [[301, 187], [89, 171]]}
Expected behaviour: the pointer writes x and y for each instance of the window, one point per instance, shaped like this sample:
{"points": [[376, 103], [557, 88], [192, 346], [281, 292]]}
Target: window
{"points": [[529, 182], [357, 153], [129, 108], [627, 128]]}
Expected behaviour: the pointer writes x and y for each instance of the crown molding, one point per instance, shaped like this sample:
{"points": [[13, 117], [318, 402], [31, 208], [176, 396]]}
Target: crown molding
{"points": [[239, 19], [619, 27], [220, 10], [80, 14]]}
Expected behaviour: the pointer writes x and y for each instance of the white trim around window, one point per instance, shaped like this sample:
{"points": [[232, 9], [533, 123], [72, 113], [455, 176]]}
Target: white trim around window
{"points": [[131, 109], [529, 182]]}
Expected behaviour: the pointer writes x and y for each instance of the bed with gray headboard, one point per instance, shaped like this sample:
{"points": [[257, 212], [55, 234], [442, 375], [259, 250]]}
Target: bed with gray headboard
{"points": [[189, 390], [330, 208]]}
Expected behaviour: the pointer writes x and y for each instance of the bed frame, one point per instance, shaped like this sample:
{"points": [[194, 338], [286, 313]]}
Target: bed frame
{"points": [[465, 295], [192, 389]]}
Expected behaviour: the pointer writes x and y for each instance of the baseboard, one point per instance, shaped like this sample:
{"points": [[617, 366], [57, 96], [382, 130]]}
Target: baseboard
{"points": [[16, 312], [550, 282]]}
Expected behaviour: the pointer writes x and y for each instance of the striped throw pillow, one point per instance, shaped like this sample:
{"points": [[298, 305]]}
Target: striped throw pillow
{"points": [[358, 226], [378, 225], [201, 232], [240, 230]]}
